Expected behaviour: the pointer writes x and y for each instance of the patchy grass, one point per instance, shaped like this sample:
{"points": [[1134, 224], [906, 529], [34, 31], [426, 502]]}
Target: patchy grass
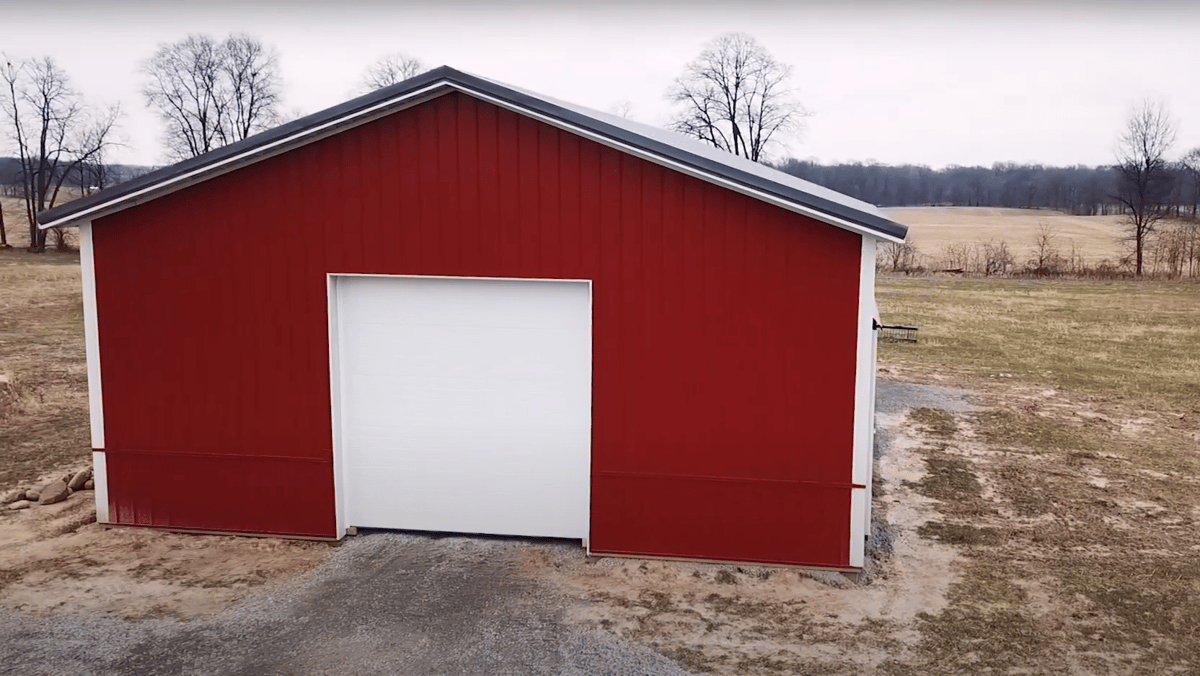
{"points": [[43, 403], [959, 534], [936, 422], [949, 479], [1025, 431]]}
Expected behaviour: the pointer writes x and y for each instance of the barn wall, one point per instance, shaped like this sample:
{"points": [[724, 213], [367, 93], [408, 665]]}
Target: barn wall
{"points": [[724, 345]]}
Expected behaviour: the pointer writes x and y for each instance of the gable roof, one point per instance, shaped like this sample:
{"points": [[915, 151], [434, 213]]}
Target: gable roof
{"points": [[656, 145]]}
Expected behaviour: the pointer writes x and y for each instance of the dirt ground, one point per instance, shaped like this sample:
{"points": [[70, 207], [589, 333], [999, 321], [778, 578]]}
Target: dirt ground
{"points": [[56, 557]]}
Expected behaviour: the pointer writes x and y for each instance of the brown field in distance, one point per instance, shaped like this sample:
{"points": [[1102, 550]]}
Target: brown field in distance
{"points": [[930, 228]]}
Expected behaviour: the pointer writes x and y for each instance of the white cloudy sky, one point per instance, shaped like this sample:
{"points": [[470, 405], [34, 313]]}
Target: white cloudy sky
{"points": [[923, 81]]}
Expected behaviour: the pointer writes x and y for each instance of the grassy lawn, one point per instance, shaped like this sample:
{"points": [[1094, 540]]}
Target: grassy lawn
{"points": [[1138, 342]]}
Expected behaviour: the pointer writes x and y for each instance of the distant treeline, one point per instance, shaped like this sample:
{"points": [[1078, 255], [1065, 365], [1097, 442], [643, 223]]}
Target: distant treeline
{"points": [[1078, 190], [86, 177]]}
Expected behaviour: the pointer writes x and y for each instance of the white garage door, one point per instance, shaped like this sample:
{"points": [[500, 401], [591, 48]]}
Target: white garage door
{"points": [[465, 404]]}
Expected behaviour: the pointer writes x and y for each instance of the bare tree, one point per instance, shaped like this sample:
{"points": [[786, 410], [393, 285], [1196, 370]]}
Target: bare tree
{"points": [[956, 256], [1144, 176], [53, 130], [736, 97], [1046, 259], [900, 256], [1191, 164], [623, 108], [211, 93], [996, 257], [252, 74], [389, 70]]}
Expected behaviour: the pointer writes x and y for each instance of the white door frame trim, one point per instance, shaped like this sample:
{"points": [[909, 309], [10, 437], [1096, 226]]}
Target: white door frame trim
{"points": [[336, 358]]}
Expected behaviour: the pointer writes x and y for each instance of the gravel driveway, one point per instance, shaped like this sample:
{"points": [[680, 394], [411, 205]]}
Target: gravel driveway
{"points": [[384, 603]]}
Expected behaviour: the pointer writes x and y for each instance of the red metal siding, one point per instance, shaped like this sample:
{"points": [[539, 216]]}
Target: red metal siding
{"points": [[724, 340]]}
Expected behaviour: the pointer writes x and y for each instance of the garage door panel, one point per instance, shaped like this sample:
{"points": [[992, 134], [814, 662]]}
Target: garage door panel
{"points": [[508, 511], [528, 353], [385, 441], [464, 302], [466, 404]]}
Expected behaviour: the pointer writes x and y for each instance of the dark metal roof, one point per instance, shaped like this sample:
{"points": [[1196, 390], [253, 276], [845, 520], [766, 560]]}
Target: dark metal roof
{"points": [[655, 144]]}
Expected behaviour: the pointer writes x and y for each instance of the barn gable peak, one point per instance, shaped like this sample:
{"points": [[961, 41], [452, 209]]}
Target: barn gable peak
{"points": [[656, 145]]}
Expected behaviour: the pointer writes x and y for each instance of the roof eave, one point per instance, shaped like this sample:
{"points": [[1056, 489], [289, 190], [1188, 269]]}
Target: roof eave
{"points": [[431, 84]]}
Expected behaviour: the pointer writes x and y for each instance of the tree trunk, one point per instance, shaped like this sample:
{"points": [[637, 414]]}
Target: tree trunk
{"points": [[3, 234], [33, 236]]}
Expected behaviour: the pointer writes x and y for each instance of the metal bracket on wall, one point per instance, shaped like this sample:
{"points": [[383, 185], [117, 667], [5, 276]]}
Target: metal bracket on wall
{"points": [[895, 333]]}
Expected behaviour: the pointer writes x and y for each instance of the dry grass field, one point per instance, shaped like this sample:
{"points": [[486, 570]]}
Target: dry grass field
{"points": [[43, 401], [930, 228]]}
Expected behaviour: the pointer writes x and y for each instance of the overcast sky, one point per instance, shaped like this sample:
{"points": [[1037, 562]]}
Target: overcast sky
{"points": [[925, 82]]}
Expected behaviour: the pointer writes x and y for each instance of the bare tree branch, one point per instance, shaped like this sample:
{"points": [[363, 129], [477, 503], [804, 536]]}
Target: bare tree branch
{"points": [[389, 70], [735, 96], [210, 93]]}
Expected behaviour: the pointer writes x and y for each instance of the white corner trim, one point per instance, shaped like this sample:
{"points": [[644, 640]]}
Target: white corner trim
{"points": [[860, 503], [91, 335], [100, 476], [864, 405]]}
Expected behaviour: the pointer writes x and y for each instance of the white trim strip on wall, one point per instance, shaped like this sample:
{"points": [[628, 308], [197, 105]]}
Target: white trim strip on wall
{"points": [[91, 335], [91, 344], [864, 405], [100, 477]]}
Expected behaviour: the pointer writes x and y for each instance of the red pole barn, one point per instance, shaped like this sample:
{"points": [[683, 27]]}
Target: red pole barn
{"points": [[453, 305]]}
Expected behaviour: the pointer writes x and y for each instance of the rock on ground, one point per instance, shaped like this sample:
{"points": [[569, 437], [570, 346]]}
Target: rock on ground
{"points": [[79, 479], [13, 496], [90, 484], [32, 495], [56, 491], [20, 504]]}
